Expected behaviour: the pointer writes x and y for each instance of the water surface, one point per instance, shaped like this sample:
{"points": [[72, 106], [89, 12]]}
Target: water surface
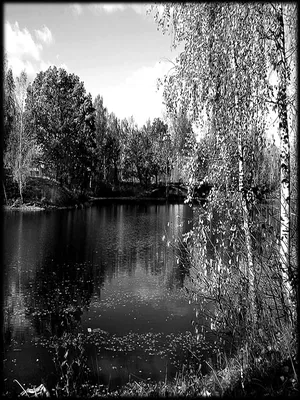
{"points": [[110, 272]]}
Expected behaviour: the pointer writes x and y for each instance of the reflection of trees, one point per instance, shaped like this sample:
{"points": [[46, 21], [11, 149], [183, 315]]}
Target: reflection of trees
{"points": [[59, 297], [16, 327], [57, 283], [137, 239], [183, 264], [177, 266]]}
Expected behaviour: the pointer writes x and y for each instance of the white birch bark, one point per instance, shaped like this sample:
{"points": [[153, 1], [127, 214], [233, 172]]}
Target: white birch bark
{"points": [[250, 275], [284, 160]]}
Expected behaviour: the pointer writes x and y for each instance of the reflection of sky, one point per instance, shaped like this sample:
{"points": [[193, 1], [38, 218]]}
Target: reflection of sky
{"points": [[139, 302], [124, 241], [122, 244]]}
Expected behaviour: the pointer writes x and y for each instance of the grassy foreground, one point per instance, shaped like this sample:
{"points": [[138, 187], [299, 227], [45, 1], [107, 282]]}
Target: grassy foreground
{"points": [[271, 378]]}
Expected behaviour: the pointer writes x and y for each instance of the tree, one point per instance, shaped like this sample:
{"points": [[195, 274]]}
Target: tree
{"points": [[85, 150], [140, 154], [282, 69], [20, 145], [113, 148], [160, 153], [101, 116], [62, 115], [9, 119], [217, 32], [129, 129], [21, 87], [9, 106], [183, 142], [221, 78]]}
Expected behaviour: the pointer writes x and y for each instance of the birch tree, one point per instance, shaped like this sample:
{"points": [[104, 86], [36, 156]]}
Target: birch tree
{"points": [[20, 145], [214, 41], [282, 70], [221, 76]]}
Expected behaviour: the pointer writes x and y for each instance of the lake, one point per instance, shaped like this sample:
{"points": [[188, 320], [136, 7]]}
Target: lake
{"points": [[113, 273]]}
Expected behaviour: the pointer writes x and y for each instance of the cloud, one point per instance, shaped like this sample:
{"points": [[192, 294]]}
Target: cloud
{"points": [[23, 52], [139, 8], [18, 42], [43, 66], [109, 8], [17, 65], [44, 35], [138, 95], [76, 9]]}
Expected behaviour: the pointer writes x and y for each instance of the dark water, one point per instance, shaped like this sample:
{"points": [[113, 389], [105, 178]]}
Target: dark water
{"points": [[109, 272]]}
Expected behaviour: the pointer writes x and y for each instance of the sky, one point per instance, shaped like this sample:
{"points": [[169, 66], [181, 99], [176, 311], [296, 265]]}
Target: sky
{"points": [[114, 48]]}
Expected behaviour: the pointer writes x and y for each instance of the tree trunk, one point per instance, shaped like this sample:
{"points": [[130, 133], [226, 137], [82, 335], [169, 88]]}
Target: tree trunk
{"points": [[284, 161], [21, 190], [20, 157], [4, 192], [104, 168], [249, 273]]}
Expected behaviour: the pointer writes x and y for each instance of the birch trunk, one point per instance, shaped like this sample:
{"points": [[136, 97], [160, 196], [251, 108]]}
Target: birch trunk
{"points": [[4, 192], [20, 155], [250, 275], [284, 161]]}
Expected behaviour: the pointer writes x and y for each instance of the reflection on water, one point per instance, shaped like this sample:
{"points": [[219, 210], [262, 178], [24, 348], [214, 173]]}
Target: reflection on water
{"points": [[106, 267]]}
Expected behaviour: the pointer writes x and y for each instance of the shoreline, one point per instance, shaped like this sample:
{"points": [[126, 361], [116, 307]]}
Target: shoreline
{"points": [[93, 200]]}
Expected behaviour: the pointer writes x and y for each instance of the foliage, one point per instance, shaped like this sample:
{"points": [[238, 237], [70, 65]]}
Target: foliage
{"points": [[147, 151], [101, 116], [182, 144], [239, 268], [20, 148], [9, 106], [9, 114], [62, 116], [70, 362], [113, 148], [68, 137]]}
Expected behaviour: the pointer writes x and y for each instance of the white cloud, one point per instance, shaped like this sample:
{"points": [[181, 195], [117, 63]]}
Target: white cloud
{"points": [[17, 65], [138, 96], [44, 65], [139, 8], [44, 35], [76, 9], [20, 42], [109, 8], [23, 52]]}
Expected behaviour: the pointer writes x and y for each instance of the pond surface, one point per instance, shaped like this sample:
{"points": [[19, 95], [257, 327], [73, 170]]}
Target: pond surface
{"points": [[109, 272]]}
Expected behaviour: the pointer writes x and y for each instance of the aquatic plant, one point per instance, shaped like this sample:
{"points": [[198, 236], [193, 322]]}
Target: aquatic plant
{"points": [[70, 363]]}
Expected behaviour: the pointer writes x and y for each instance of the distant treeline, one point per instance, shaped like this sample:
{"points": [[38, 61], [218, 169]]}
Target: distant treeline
{"points": [[53, 128]]}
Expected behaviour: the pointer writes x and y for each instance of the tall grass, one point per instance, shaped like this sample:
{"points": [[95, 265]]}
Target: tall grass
{"points": [[218, 285]]}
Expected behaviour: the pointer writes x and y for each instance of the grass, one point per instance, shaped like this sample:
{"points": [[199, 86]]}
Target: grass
{"points": [[239, 376], [273, 372], [266, 379]]}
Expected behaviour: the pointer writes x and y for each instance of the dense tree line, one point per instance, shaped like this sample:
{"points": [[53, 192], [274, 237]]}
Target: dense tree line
{"points": [[52, 124]]}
